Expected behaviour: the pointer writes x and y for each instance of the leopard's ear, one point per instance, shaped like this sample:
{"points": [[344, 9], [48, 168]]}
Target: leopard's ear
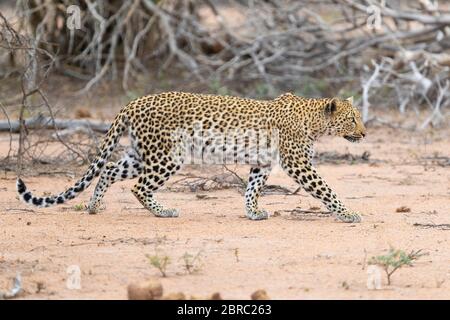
{"points": [[350, 100], [330, 107]]}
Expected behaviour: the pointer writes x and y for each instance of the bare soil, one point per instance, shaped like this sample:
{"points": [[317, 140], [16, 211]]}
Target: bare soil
{"points": [[292, 255]]}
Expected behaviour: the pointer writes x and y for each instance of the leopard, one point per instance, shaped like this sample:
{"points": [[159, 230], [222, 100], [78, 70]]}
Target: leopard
{"points": [[155, 154]]}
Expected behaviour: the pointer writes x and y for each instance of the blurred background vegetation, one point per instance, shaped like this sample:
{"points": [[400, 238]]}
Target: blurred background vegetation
{"points": [[390, 55]]}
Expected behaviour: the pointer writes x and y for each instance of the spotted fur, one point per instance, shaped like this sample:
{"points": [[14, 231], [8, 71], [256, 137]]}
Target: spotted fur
{"points": [[155, 155]]}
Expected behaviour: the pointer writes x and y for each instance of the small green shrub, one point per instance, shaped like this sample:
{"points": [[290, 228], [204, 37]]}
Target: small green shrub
{"points": [[159, 262], [191, 262], [78, 207], [394, 260]]}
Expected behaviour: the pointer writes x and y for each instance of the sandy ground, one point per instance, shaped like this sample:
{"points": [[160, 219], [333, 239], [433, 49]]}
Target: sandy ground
{"points": [[291, 255]]}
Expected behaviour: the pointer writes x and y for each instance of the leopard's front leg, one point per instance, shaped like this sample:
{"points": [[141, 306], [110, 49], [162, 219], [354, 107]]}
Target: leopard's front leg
{"points": [[300, 168]]}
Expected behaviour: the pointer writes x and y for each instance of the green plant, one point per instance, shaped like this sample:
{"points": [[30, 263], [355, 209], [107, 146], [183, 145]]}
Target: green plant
{"points": [[78, 207], [394, 260], [191, 263], [160, 262]]}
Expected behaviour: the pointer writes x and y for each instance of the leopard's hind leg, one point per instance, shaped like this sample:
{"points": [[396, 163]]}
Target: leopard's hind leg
{"points": [[151, 179], [256, 181], [128, 167]]}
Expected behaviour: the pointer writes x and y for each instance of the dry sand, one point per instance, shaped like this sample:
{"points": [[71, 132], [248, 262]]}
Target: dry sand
{"points": [[291, 256]]}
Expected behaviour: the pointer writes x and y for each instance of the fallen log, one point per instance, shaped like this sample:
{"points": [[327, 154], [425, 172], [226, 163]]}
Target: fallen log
{"points": [[41, 122]]}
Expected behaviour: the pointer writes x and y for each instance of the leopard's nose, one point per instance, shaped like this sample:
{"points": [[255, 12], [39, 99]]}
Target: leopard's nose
{"points": [[363, 134]]}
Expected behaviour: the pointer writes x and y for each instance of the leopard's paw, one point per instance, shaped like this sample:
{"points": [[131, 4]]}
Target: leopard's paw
{"points": [[349, 217], [94, 208], [168, 213], [257, 214]]}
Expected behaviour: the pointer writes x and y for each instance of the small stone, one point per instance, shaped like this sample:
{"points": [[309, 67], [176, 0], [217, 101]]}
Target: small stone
{"points": [[148, 290], [403, 209], [260, 294], [216, 296]]}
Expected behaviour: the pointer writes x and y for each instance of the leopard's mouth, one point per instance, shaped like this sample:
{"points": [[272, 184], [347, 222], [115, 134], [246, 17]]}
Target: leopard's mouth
{"points": [[353, 138]]}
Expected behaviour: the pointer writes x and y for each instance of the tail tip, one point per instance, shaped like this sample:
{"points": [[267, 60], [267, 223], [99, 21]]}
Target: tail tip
{"points": [[21, 188]]}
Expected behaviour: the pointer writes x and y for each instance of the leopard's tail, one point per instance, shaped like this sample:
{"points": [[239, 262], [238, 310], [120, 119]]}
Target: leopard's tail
{"points": [[107, 147]]}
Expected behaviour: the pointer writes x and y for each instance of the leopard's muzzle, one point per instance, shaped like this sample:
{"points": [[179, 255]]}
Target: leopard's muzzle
{"points": [[354, 137]]}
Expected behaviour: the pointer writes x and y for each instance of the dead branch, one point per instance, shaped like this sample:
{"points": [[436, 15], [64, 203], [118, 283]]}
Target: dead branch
{"points": [[337, 158], [41, 122], [444, 226], [366, 87]]}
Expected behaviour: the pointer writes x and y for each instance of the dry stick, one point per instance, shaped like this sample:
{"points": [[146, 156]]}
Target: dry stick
{"points": [[28, 89], [443, 226], [10, 131], [21, 137], [244, 184], [443, 91], [134, 47], [366, 88]]}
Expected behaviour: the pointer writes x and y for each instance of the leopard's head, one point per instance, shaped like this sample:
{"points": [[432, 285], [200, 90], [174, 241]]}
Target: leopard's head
{"points": [[344, 120]]}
